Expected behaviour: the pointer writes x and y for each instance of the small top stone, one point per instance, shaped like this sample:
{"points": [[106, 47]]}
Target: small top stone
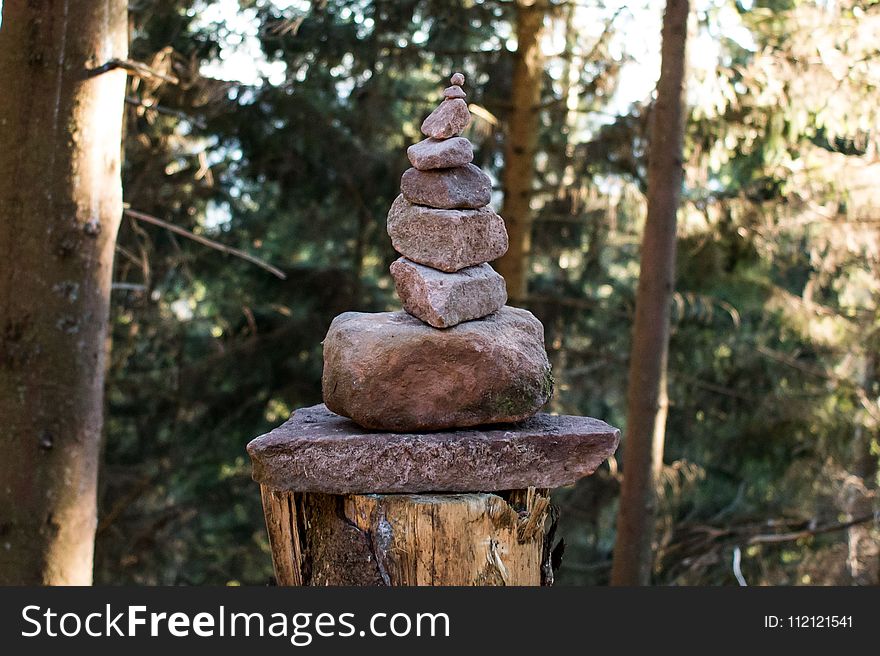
{"points": [[453, 92], [457, 79]]}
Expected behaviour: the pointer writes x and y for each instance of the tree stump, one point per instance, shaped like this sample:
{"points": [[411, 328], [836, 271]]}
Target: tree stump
{"points": [[408, 539], [348, 506]]}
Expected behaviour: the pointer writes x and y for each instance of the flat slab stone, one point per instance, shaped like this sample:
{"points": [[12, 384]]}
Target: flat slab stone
{"points": [[390, 371], [440, 153], [319, 451], [462, 187], [450, 119], [448, 240], [447, 299]]}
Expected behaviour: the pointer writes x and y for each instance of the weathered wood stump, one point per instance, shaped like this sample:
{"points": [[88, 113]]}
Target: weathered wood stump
{"points": [[348, 506], [407, 539]]}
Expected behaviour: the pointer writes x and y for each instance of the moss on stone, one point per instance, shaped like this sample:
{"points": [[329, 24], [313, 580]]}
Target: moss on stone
{"points": [[513, 404], [520, 401], [547, 384]]}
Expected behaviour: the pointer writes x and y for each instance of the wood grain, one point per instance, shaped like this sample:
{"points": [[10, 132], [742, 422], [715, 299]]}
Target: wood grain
{"points": [[471, 539]]}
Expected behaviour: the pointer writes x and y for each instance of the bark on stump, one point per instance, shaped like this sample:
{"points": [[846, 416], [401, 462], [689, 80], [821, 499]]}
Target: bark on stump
{"points": [[347, 506], [408, 539]]}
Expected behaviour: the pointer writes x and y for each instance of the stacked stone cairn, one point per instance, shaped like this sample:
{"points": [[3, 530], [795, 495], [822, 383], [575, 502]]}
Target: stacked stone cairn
{"points": [[458, 356]]}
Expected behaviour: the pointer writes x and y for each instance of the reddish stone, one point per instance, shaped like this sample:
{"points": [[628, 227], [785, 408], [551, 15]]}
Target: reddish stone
{"points": [[449, 119], [453, 92], [318, 451], [446, 299], [440, 153], [462, 187], [447, 240], [390, 371]]}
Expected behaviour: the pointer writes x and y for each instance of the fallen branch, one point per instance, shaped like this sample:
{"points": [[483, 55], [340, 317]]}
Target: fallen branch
{"points": [[790, 530], [809, 532], [138, 69], [210, 243]]}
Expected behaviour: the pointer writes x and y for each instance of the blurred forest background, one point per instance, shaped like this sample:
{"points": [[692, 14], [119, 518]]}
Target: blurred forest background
{"points": [[280, 129]]}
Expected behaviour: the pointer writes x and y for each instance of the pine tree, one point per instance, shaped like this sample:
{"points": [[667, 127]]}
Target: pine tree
{"points": [[60, 205], [647, 402]]}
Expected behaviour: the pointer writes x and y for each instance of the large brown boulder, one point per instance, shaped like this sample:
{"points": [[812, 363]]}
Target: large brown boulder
{"points": [[389, 371], [448, 240]]}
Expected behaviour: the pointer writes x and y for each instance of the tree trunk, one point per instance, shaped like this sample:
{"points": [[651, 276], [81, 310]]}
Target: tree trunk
{"points": [[521, 143], [409, 539], [860, 489], [60, 204], [646, 394]]}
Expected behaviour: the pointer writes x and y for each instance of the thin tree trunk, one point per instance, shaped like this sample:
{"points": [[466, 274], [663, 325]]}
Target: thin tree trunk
{"points": [[860, 490], [646, 394], [521, 143], [60, 205]]}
